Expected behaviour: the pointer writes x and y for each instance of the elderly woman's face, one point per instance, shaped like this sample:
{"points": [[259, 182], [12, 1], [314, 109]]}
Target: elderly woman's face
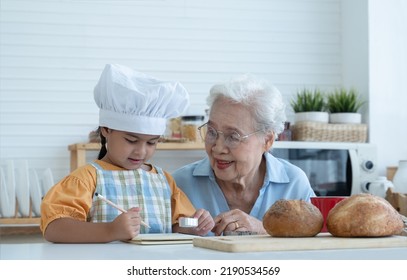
{"points": [[231, 164]]}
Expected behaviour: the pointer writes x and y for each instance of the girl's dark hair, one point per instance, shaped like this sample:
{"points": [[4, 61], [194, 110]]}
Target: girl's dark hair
{"points": [[103, 149]]}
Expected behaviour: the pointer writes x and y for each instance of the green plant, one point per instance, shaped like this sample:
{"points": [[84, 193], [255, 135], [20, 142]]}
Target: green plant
{"points": [[344, 101], [309, 101]]}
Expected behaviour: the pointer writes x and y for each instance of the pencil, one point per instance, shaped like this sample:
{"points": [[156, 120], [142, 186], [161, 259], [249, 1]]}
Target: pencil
{"points": [[118, 207]]}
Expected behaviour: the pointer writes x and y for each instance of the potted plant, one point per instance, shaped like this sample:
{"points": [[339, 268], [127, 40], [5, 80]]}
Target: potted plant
{"points": [[310, 105], [343, 106]]}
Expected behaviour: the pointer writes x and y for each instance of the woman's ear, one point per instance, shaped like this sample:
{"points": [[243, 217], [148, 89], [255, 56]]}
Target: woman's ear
{"points": [[269, 140]]}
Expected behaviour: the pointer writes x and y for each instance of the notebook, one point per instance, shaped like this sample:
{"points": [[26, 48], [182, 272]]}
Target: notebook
{"points": [[162, 238]]}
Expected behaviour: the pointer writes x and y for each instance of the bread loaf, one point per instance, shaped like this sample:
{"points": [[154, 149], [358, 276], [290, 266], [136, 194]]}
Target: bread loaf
{"points": [[293, 218], [364, 215]]}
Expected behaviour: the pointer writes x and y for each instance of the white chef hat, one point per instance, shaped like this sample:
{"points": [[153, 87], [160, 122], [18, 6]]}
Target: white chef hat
{"points": [[134, 102]]}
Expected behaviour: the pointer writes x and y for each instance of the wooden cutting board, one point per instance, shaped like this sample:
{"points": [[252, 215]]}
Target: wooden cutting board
{"points": [[323, 241]]}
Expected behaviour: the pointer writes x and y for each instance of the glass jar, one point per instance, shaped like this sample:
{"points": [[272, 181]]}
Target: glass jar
{"points": [[286, 135], [190, 126], [174, 128]]}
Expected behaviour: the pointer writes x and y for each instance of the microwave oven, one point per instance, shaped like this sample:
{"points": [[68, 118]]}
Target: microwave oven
{"points": [[333, 169]]}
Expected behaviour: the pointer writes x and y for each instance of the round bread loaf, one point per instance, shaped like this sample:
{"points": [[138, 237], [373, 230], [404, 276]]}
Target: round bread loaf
{"points": [[293, 218], [364, 215]]}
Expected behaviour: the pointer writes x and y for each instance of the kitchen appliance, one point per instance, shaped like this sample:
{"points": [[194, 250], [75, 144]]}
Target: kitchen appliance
{"points": [[333, 168]]}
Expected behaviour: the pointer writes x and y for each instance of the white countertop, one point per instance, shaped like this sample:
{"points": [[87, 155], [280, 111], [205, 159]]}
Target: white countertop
{"points": [[126, 251]]}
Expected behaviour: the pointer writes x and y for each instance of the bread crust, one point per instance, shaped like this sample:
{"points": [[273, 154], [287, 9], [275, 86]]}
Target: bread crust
{"points": [[364, 215], [293, 218]]}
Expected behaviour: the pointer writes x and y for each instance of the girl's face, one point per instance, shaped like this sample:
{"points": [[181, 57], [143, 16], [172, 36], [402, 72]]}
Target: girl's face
{"points": [[128, 150], [242, 161]]}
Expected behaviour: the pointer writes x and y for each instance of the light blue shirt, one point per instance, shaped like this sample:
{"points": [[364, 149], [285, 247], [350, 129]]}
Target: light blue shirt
{"points": [[283, 180]]}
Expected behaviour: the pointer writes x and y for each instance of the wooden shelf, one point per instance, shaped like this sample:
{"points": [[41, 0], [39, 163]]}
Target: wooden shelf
{"points": [[17, 226], [20, 221], [20, 225], [78, 150], [160, 146]]}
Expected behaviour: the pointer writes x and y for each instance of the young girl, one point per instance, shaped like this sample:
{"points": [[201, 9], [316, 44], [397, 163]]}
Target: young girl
{"points": [[134, 109]]}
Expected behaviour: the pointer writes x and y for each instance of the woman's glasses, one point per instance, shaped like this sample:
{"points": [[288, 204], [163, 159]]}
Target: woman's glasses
{"points": [[232, 139]]}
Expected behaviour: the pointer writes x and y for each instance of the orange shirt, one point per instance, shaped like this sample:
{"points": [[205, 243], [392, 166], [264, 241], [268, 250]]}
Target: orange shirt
{"points": [[72, 196]]}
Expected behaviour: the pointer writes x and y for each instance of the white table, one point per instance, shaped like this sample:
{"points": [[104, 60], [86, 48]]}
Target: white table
{"points": [[115, 260], [125, 251]]}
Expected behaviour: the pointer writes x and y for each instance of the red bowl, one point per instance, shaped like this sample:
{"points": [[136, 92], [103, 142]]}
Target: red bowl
{"points": [[325, 204]]}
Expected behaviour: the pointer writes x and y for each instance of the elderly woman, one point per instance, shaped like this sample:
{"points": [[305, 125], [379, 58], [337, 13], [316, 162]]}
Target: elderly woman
{"points": [[239, 179]]}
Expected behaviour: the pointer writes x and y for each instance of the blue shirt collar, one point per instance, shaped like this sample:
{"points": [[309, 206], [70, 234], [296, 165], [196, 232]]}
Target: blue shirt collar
{"points": [[275, 170]]}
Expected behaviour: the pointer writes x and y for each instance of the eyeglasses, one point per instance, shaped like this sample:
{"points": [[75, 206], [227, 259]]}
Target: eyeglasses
{"points": [[232, 139]]}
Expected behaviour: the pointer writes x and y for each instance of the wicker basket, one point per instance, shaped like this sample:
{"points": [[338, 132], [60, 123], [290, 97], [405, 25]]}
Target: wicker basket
{"points": [[327, 132]]}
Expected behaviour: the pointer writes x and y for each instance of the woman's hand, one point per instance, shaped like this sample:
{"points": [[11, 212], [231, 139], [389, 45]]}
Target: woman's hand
{"points": [[126, 225], [237, 220], [205, 224]]}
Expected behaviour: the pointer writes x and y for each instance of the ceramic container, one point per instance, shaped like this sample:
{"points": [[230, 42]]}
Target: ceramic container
{"points": [[325, 204], [354, 118], [400, 177], [322, 117], [378, 187]]}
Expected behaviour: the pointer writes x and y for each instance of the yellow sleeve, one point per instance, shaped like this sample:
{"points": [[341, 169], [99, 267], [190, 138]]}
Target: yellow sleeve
{"points": [[181, 206], [69, 198]]}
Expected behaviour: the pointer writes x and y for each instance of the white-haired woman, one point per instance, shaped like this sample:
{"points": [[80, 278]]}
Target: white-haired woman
{"points": [[239, 179]]}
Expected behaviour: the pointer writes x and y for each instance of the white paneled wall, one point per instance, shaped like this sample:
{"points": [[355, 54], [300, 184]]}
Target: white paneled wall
{"points": [[52, 53]]}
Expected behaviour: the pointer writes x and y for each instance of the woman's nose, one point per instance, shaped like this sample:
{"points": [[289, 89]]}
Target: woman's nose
{"points": [[219, 144]]}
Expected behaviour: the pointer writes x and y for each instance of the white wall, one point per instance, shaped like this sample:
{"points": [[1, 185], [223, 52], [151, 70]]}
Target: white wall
{"points": [[355, 46], [52, 53], [375, 61], [388, 80]]}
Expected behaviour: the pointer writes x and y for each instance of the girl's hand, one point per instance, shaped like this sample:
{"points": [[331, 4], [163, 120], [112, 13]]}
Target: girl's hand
{"points": [[126, 225], [237, 220]]}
